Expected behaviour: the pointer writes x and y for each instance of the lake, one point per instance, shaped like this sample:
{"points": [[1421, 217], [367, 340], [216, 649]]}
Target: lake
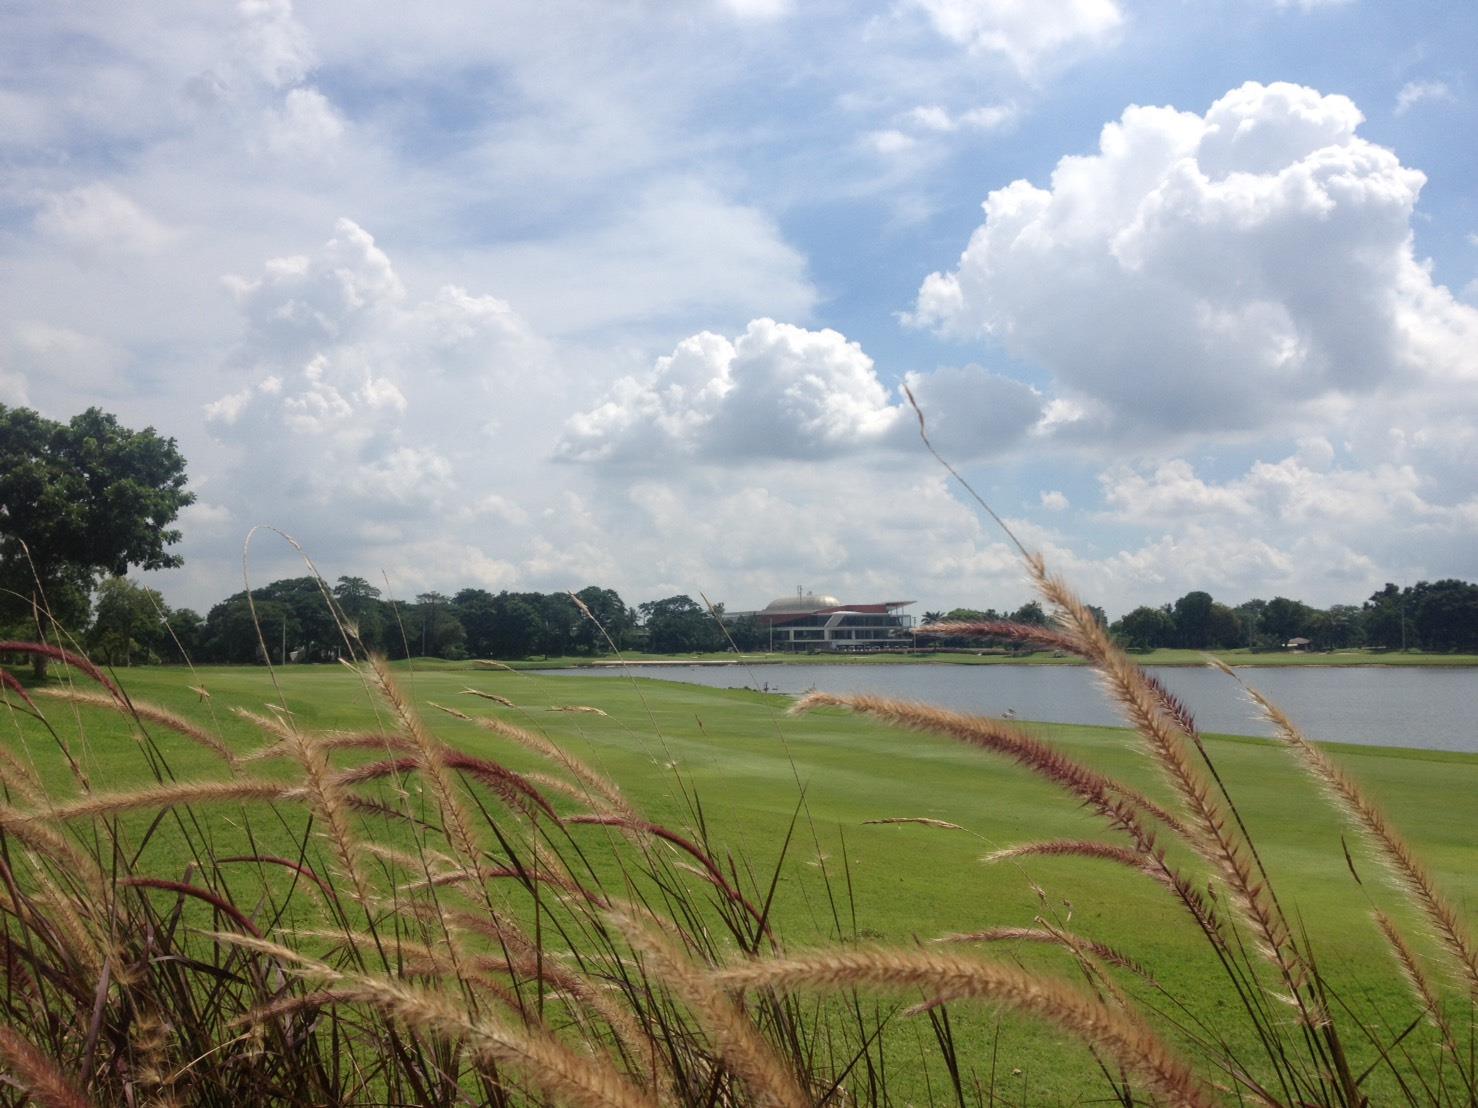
{"points": [[1431, 708]]}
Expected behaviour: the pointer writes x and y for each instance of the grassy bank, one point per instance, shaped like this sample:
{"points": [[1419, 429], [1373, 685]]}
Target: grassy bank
{"points": [[764, 779]]}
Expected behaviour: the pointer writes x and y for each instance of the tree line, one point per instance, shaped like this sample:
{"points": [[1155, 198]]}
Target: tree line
{"points": [[1437, 616], [81, 502], [305, 619]]}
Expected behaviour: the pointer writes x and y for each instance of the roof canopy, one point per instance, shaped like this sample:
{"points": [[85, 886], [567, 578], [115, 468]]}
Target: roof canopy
{"points": [[807, 602]]}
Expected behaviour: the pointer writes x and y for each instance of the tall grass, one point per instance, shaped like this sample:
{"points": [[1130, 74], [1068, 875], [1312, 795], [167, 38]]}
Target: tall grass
{"points": [[446, 929]]}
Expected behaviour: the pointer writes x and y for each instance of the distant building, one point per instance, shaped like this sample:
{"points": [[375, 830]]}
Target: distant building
{"points": [[810, 622]]}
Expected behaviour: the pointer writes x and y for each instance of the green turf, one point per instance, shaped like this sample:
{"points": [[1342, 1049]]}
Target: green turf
{"points": [[754, 768]]}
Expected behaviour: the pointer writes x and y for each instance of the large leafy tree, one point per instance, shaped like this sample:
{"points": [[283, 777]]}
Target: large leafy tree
{"points": [[79, 500]]}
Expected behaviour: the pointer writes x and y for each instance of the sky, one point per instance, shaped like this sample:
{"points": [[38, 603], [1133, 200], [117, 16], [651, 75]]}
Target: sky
{"points": [[535, 296]]}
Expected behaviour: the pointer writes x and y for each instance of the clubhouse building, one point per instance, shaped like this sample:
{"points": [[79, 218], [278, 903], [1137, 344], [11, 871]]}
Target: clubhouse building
{"points": [[807, 621]]}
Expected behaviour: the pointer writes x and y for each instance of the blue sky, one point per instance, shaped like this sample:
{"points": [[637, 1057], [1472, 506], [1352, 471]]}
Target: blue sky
{"points": [[550, 294]]}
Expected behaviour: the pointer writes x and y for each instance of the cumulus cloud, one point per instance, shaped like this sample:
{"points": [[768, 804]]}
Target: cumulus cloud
{"points": [[1054, 501], [1299, 490], [1212, 272], [1022, 32], [781, 391], [390, 401]]}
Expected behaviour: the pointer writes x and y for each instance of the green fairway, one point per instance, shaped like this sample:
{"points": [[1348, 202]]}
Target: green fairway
{"points": [[755, 769]]}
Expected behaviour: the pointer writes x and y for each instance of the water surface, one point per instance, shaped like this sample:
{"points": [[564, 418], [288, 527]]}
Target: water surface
{"points": [[1388, 706]]}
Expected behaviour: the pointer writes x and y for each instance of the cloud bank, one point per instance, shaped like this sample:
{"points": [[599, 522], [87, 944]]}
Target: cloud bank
{"points": [[1205, 273]]}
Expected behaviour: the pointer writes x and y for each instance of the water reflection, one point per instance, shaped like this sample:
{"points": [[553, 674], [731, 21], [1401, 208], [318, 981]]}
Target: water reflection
{"points": [[1420, 707]]}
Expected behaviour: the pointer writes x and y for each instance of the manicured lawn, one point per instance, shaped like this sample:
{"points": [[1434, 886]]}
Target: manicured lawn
{"points": [[755, 770]]}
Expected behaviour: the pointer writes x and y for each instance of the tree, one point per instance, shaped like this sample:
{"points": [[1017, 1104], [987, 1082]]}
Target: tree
{"points": [[128, 624], [231, 634], [78, 500], [607, 610], [1145, 628], [1446, 614], [1385, 618], [1192, 615], [363, 611], [679, 625], [477, 610], [1223, 628], [434, 627], [184, 629], [1030, 613], [1286, 619]]}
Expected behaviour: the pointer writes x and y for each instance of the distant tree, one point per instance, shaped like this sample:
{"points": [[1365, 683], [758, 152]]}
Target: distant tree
{"points": [[932, 617], [436, 631], [1446, 615], [561, 623], [609, 619], [360, 603], [518, 626], [183, 630], [749, 633], [128, 623], [232, 635], [1223, 628], [1249, 615], [1029, 613], [1192, 615], [1384, 618], [1337, 628], [1145, 628], [679, 625], [477, 611], [78, 500], [1284, 619]]}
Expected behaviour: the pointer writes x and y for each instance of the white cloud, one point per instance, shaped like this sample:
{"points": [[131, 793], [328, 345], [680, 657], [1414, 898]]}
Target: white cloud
{"points": [[931, 117], [306, 124], [1054, 501], [82, 363], [776, 390], [274, 42], [987, 117], [782, 391], [891, 142], [757, 9], [1024, 32], [1216, 272], [1416, 92], [388, 399], [97, 218]]}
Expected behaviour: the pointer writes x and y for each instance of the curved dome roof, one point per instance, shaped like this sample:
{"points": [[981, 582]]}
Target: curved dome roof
{"points": [[810, 602]]}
